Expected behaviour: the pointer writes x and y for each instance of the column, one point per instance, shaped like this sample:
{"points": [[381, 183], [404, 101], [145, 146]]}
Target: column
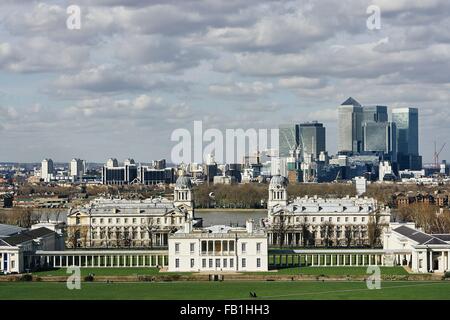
{"points": [[357, 259], [442, 267], [430, 265]]}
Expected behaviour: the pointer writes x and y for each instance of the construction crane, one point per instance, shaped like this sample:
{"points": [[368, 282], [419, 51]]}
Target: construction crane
{"points": [[437, 153]]}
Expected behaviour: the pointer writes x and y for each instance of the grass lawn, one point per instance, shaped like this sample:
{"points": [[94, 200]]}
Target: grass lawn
{"points": [[106, 272], [316, 290], [339, 271]]}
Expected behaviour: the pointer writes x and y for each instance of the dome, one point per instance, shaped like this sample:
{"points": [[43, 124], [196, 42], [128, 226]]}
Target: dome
{"points": [[278, 181], [183, 182]]}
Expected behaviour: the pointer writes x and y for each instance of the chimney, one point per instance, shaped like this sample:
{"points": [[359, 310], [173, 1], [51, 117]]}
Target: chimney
{"points": [[188, 226], [249, 226]]}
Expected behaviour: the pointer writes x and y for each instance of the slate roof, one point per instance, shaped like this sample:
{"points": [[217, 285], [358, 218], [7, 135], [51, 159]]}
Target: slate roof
{"points": [[443, 237], [419, 236], [26, 236], [7, 230]]}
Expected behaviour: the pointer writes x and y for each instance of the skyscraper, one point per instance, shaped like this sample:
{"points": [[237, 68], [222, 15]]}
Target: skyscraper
{"points": [[375, 114], [287, 139], [380, 137], [312, 138], [407, 123], [350, 114], [47, 170], [77, 168]]}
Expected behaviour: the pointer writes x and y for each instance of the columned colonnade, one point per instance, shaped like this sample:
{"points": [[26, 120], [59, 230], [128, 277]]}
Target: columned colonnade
{"points": [[98, 258]]}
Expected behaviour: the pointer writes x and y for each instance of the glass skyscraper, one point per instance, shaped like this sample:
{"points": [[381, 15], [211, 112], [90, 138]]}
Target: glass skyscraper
{"points": [[407, 123], [288, 138], [312, 138], [375, 114], [350, 114], [380, 137]]}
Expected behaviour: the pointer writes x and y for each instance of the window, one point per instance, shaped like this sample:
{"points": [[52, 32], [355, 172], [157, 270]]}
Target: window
{"points": [[314, 219], [204, 248], [321, 219], [101, 221], [225, 245], [93, 220], [258, 247], [244, 263], [177, 263], [210, 246], [354, 219], [338, 219], [210, 263], [346, 219], [126, 220], [231, 263], [258, 262], [231, 247], [363, 219], [192, 247], [134, 220], [109, 220], [142, 220], [192, 263], [244, 247], [225, 263], [330, 219], [177, 247], [203, 263], [217, 263], [118, 220]]}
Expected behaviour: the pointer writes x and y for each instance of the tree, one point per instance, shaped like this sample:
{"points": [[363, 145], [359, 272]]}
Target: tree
{"points": [[306, 234], [375, 229], [279, 229], [150, 227], [327, 230], [348, 234]]}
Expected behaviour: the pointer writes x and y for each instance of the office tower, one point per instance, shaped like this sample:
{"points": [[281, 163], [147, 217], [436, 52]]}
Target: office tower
{"points": [[407, 123], [113, 174], [77, 168], [112, 163], [47, 170], [380, 137], [312, 138], [375, 114], [350, 114], [288, 138]]}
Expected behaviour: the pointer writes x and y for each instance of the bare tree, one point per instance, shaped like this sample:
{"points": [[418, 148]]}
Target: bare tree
{"points": [[150, 227], [348, 234], [327, 230], [280, 229]]}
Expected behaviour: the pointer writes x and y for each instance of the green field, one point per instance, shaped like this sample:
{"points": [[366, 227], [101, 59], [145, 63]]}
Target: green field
{"points": [[102, 272], [330, 271], [338, 271], [227, 290]]}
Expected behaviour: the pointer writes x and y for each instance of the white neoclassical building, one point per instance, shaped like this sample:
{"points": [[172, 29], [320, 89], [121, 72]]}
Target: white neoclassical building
{"points": [[314, 221], [16, 248], [218, 249], [420, 251], [109, 223]]}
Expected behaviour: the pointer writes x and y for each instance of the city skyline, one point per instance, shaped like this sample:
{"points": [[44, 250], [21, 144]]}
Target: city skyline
{"points": [[245, 64]]}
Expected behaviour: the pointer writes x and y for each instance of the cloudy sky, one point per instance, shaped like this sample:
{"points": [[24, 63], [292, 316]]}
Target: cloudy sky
{"points": [[137, 70]]}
